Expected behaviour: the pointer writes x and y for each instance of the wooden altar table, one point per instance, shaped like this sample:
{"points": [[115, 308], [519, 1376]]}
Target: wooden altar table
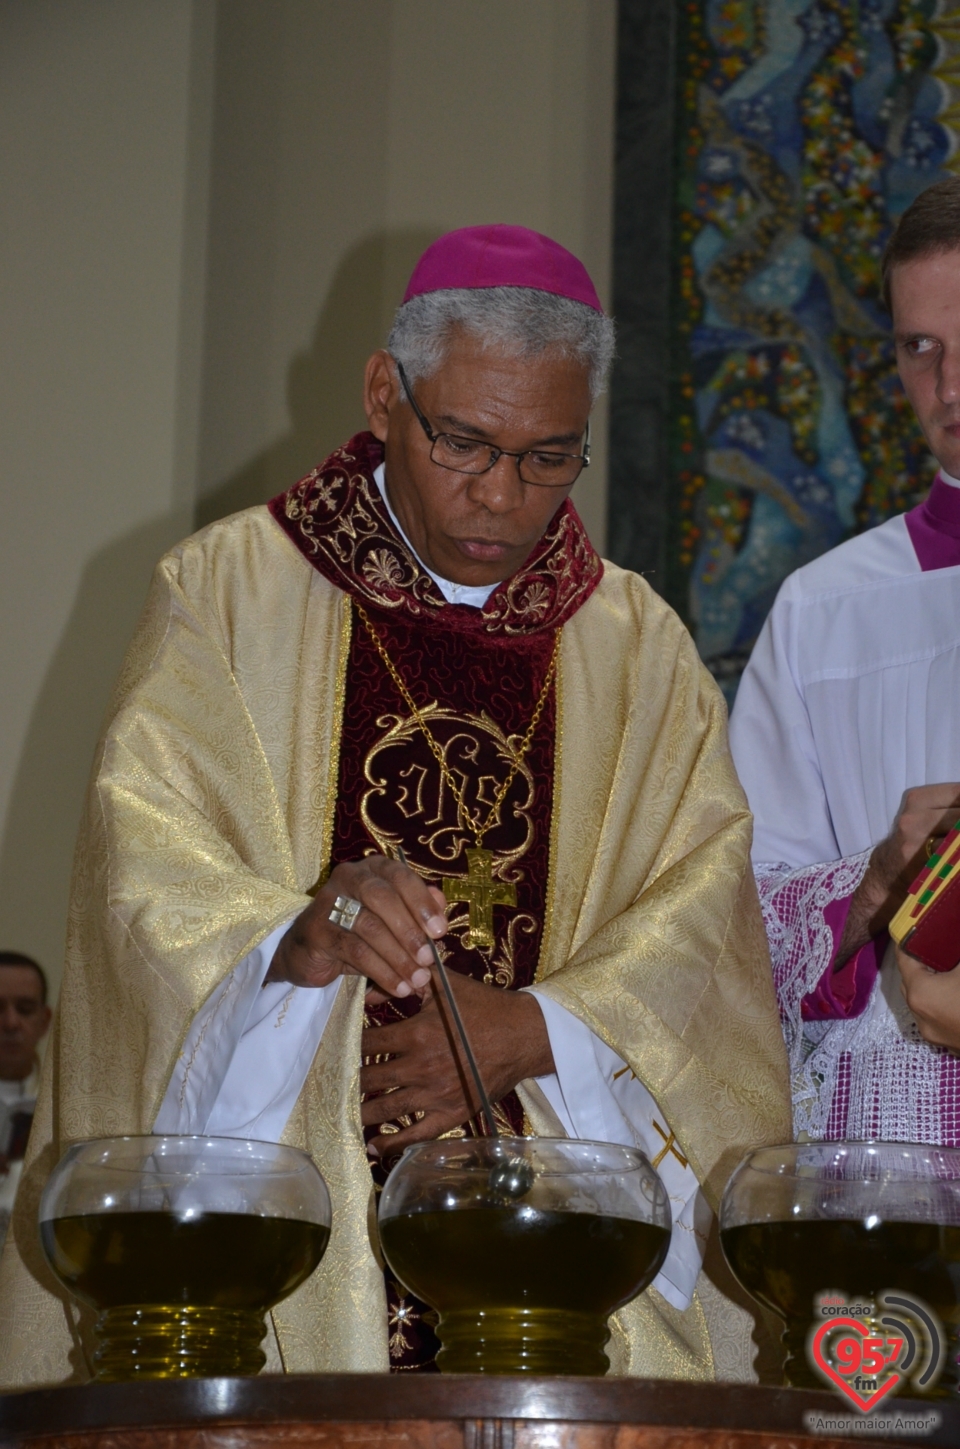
{"points": [[374, 1411]]}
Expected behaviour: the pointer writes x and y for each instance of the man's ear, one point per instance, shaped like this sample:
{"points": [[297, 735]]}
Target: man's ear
{"points": [[381, 390]]}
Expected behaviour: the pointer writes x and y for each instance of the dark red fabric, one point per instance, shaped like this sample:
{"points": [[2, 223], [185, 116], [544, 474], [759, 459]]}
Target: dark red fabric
{"points": [[19, 1133], [338, 521], [477, 675], [399, 793], [395, 798]]}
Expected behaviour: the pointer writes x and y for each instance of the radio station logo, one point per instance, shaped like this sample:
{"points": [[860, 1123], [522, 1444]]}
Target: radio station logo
{"points": [[866, 1350]]}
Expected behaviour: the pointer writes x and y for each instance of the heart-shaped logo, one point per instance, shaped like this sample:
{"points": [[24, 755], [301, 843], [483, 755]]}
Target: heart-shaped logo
{"points": [[864, 1361]]}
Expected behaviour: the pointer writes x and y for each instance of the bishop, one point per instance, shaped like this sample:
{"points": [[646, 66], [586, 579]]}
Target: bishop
{"points": [[424, 595]]}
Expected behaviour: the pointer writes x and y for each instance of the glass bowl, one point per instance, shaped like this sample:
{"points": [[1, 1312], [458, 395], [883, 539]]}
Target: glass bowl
{"points": [[524, 1246], [808, 1227], [182, 1244]]}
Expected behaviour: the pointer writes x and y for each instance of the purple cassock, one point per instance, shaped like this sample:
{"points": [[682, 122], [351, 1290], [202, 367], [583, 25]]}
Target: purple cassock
{"points": [[848, 701]]}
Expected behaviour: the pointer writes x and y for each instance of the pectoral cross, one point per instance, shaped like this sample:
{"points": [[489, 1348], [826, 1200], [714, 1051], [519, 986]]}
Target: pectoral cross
{"points": [[481, 892]]}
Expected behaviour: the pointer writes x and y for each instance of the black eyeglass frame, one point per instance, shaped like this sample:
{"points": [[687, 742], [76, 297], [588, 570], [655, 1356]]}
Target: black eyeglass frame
{"points": [[495, 453]]}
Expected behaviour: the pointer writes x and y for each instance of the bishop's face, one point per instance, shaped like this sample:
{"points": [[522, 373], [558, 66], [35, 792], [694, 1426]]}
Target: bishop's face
{"points": [[476, 529], [925, 297]]}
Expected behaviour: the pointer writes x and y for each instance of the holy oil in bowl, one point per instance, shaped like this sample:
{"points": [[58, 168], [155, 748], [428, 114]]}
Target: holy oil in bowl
{"points": [[182, 1244], [524, 1246], [808, 1226]]}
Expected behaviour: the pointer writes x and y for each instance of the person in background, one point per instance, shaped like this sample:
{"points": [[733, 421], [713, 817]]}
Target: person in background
{"points": [[844, 736], [24, 1019]]}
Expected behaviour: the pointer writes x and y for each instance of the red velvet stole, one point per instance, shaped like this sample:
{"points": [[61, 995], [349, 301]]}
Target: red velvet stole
{"points": [[477, 675], [391, 791], [337, 519]]}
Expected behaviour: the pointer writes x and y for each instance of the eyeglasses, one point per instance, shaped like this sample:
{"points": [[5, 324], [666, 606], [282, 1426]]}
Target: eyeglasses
{"points": [[538, 466]]}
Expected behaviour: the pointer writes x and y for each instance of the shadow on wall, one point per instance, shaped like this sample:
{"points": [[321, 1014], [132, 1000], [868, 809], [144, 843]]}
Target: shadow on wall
{"points": [[324, 392], [51, 780], [325, 383]]}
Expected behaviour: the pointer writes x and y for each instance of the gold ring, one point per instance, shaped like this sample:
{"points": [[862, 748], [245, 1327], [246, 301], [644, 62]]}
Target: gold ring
{"points": [[932, 847]]}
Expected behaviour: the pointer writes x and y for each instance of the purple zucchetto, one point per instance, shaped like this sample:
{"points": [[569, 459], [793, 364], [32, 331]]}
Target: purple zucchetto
{"points": [[501, 256]]}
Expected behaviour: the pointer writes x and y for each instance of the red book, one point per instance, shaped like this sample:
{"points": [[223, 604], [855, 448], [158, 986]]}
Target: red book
{"points": [[927, 925]]}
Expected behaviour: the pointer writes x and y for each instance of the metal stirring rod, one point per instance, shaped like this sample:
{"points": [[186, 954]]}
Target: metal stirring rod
{"points": [[485, 1106]]}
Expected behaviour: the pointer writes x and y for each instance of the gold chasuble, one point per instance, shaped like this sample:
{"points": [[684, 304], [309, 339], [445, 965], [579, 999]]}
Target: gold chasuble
{"points": [[257, 738]]}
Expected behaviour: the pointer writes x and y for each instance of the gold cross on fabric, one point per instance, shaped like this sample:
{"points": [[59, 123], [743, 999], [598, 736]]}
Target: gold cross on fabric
{"points": [[481, 892], [669, 1145]]}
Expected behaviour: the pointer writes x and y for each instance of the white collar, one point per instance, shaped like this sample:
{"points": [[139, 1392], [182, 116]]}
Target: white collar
{"points": [[953, 482], [475, 598]]}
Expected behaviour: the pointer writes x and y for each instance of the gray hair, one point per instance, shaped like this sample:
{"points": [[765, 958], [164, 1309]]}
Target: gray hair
{"points": [[521, 320]]}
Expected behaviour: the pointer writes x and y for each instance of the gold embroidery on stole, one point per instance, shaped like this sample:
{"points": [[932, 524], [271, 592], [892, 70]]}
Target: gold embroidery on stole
{"points": [[442, 846]]}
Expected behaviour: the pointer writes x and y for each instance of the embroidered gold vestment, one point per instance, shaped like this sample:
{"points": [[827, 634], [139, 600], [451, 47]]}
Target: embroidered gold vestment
{"points": [[210, 816]]}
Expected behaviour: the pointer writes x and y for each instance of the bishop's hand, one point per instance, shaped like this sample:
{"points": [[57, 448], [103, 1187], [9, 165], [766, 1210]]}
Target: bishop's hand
{"points": [[425, 1072], [389, 940]]}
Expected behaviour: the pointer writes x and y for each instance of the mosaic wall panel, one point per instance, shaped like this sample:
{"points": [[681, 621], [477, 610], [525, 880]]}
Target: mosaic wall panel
{"points": [[804, 127]]}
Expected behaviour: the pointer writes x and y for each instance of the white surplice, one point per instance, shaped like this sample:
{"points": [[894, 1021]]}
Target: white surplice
{"points": [[849, 699], [250, 1048]]}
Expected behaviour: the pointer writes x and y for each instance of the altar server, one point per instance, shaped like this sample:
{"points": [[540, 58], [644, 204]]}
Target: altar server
{"points": [[416, 648], [845, 737]]}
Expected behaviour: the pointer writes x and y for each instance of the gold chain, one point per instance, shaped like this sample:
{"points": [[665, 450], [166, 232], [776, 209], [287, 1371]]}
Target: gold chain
{"points": [[479, 830]]}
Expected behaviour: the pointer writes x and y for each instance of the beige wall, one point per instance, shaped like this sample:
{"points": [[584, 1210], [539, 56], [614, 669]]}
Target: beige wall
{"points": [[213, 209], [346, 137], [95, 469]]}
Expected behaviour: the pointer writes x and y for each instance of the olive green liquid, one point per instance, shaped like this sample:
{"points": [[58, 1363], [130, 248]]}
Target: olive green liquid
{"points": [[789, 1265], [181, 1297], [523, 1290]]}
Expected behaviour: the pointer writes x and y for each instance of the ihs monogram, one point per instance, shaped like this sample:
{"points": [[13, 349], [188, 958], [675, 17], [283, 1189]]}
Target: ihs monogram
{"points": [[480, 890], [405, 794]]}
